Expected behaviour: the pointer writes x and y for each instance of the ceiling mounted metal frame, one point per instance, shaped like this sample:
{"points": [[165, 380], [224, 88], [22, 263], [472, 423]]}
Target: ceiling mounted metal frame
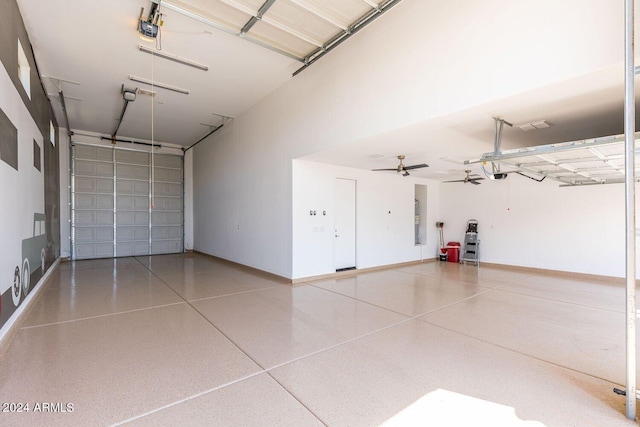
{"points": [[585, 162], [217, 25], [258, 16], [335, 41], [322, 47]]}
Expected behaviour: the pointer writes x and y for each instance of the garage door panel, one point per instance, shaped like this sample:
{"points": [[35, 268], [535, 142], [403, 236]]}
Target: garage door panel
{"points": [[132, 187], [94, 250], [94, 234], [132, 248], [164, 233], [166, 247], [90, 168], [168, 175], [168, 189], [90, 152], [132, 157], [94, 201], [113, 184], [132, 203], [133, 172], [167, 204], [133, 218], [100, 218], [164, 160], [94, 185], [127, 234], [166, 218]]}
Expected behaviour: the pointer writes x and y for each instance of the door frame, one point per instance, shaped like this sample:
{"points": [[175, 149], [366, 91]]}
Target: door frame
{"points": [[352, 262]]}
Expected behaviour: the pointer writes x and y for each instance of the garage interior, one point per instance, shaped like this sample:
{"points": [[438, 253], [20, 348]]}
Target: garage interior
{"points": [[244, 202]]}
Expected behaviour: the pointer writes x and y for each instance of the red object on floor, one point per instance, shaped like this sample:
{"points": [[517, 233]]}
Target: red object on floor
{"points": [[453, 251]]}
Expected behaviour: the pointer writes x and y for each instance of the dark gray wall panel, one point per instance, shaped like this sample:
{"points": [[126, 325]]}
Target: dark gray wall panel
{"points": [[8, 141]]}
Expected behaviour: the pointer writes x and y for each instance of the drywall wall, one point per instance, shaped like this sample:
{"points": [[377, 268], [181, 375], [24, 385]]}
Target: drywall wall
{"points": [[242, 194], [29, 173], [422, 60], [541, 225], [384, 218]]}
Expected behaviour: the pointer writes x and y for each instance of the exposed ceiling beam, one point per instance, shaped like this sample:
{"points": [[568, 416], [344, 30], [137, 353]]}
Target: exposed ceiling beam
{"points": [[334, 42], [256, 15], [219, 26], [254, 19]]}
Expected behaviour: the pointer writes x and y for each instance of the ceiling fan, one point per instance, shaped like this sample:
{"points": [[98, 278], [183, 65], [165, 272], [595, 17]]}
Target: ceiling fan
{"points": [[401, 168], [469, 178]]}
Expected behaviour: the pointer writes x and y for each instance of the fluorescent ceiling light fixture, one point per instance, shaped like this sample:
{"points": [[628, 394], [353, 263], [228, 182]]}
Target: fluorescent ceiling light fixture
{"points": [[160, 85], [173, 58]]}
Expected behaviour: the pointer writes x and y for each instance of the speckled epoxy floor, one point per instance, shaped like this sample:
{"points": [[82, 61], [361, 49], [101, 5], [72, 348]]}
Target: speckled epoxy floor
{"points": [[190, 340]]}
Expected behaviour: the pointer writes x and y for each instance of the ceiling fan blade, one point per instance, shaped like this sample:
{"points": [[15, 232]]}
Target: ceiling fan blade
{"points": [[457, 180], [421, 165], [405, 173], [474, 182], [394, 169]]}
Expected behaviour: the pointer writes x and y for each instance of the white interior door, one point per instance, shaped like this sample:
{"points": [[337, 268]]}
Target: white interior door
{"points": [[345, 224]]}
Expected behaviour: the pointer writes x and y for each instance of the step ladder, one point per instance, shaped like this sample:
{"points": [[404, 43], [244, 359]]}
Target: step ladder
{"points": [[471, 246]]}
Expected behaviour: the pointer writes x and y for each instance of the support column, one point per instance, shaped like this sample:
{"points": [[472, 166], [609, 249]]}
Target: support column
{"points": [[629, 131]]}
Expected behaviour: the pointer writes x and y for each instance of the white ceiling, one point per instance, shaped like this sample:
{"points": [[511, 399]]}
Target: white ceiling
{"points": [[89, 50], [589, 106], [96, 45]]}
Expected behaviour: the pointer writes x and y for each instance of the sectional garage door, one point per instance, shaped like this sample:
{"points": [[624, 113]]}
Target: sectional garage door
{"points": [[112, 192]]}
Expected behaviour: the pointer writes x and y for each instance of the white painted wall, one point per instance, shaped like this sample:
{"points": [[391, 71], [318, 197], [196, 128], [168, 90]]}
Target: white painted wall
{"points": [[384, 218], [524, 223], [242, 193], [422, 60]]}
